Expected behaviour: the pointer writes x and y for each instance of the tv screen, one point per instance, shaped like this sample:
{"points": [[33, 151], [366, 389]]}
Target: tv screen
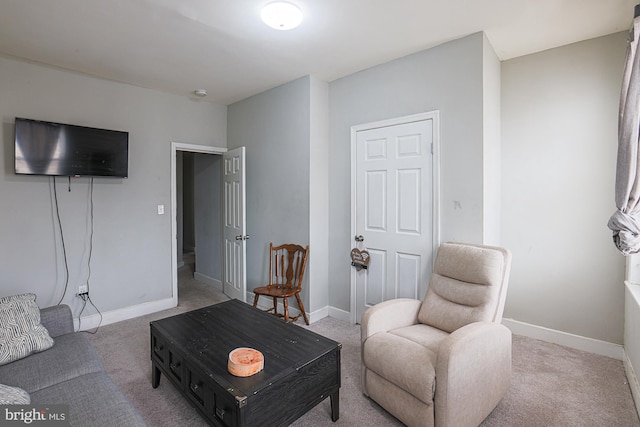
{"points": [[46, 148]]}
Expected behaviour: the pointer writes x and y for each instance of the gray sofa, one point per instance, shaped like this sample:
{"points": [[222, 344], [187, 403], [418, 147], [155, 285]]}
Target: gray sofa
{"points": [[71, 372]]}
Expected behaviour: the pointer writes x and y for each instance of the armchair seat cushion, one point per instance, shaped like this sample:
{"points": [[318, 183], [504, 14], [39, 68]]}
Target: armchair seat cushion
{"points": [[425, 335], [415, 374]]}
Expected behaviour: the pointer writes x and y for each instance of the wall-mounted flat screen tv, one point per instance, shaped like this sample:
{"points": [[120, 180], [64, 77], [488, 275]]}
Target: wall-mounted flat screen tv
{"points": [[47, 148]]}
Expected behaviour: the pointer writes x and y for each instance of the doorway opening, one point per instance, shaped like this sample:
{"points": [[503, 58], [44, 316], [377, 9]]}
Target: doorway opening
{"points": [[204, 164]]}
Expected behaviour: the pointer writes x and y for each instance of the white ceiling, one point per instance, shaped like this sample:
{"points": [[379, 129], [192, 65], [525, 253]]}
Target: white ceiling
{"points": [[222, 46]]}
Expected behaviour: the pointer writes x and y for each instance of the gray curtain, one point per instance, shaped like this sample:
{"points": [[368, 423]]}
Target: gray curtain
{"points": [[625, 222]]}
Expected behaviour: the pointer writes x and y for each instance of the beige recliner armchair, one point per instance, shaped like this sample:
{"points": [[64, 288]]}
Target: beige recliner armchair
{"points": [[446, 360]]}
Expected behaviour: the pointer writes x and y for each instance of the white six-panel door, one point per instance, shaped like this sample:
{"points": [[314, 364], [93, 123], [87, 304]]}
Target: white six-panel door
{"points": [[234, 217], [394, 211]]}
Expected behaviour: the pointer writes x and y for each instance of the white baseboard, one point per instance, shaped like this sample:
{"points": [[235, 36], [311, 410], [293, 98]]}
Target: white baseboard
{"points": [[329, 311], [94, 320], [578, 342], [339, 314], [316, 315], [208, 280], [633, 381]]}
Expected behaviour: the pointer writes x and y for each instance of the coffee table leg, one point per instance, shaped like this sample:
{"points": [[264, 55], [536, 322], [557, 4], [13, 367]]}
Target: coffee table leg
{"points": [[335, 405], [155, 376]]}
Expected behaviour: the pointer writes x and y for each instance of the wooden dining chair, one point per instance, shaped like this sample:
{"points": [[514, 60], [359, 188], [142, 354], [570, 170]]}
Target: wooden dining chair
{"points": [[286, 271]]}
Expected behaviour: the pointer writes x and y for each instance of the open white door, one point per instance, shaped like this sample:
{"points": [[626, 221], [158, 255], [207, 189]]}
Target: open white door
{"points": [[235, 227]]}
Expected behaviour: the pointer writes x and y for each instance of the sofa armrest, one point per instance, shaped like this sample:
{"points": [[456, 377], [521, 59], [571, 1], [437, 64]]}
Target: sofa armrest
{"points": [[389, 315], [57, 319], [473, 372]]}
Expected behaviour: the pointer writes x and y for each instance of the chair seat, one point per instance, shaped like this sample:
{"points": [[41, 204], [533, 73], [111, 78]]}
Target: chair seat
{"points": [[276, 291]]}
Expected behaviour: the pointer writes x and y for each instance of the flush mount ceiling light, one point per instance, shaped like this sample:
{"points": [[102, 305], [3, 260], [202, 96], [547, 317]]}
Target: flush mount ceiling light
{"points": [[281, 15]]}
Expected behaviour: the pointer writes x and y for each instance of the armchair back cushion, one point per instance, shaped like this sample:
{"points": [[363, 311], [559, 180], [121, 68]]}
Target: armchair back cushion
{"points": [[466, 286]]}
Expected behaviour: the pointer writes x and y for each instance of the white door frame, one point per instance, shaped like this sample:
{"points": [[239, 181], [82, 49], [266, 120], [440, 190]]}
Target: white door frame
{"points": [[192, 148], [435, 194]]}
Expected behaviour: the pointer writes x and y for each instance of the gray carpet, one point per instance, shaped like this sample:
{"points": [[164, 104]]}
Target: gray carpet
{"points": [[552, 385]]}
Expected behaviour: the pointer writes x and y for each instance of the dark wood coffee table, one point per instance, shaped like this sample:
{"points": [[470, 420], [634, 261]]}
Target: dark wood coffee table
{"points": [[301, 368]]}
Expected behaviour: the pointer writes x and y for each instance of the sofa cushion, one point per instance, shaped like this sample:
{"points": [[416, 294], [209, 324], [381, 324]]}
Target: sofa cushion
{"points": [[94, 400], [71, 356], [13, 396], [402, 362], [20, 330]]}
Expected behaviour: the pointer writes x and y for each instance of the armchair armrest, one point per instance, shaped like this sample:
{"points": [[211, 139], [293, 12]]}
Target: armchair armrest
{"points": [[57, 319], [389, 315], [473, 371]]}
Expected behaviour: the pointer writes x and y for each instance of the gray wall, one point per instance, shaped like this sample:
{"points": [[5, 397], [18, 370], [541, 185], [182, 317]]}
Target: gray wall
{"points": [[448, 78], [492, 160], [559, 142], [274, 126], [319, 172], [131, 260], [208, 214]]}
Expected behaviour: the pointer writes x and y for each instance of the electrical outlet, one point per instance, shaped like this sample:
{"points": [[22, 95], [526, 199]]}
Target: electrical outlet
{"points": [[83, 289]]}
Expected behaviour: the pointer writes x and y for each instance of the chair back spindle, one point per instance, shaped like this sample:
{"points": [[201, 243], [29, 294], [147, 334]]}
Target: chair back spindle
{"points": [[287, 265]]}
